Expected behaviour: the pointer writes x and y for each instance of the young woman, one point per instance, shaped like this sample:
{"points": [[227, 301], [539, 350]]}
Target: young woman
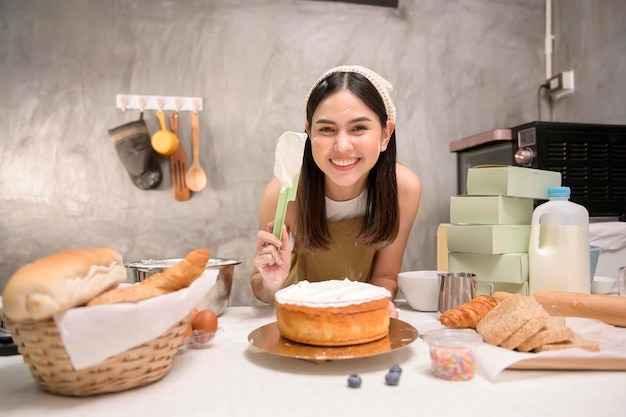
{"points": [[355, 204]]}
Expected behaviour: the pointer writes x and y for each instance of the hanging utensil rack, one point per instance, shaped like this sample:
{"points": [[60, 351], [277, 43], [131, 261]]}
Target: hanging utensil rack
{"points": [[144, 102]]}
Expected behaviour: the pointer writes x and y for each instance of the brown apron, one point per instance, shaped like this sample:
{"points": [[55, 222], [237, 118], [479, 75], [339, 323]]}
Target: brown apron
{"points": [[344, 259]]}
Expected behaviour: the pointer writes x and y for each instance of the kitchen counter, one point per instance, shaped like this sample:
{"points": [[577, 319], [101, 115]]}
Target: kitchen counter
{"points": [[233, 378]]}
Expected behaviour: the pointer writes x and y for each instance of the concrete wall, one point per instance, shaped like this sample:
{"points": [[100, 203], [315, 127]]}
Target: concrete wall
{"points": [[590, 38], [458, 67]]}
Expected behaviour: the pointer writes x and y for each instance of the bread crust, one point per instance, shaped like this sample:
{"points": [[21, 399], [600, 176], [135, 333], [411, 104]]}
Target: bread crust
{"points": [[66, 279]]}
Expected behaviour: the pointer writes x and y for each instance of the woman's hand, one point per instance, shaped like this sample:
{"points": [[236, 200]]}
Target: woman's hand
{"points": [[393, 313], [272, 259]]}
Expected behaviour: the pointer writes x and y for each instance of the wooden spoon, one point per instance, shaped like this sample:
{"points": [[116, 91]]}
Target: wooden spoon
{"points": [[196, 177]]}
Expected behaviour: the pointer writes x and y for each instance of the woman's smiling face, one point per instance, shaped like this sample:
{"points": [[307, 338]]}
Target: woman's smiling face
{"points": [[346, 140]]}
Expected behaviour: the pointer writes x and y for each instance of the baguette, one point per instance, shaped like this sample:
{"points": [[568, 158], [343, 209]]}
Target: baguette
{"points": [[468, 314], [171, 279], [56, 283], [182, 274]]}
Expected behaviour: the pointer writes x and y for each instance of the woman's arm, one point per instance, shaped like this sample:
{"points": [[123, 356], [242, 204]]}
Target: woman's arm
{"points": [[271, 265], [389, 259]]}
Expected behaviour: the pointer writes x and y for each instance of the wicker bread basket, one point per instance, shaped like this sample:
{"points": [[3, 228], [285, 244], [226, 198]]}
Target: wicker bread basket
{"points": [[42, 349]]}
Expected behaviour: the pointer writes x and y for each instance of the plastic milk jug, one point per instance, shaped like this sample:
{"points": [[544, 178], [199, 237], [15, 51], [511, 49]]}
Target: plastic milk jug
{"points": [[558, 250]]}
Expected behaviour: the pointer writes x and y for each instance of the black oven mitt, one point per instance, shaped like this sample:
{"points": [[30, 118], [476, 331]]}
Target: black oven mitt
{"points": [[132, 143]]}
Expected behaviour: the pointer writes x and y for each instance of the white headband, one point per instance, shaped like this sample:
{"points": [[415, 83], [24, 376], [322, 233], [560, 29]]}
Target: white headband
{"points": [[383, 86]]}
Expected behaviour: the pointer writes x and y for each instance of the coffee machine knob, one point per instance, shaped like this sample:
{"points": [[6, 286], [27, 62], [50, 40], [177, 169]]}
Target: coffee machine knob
{"points": [[524, 156]]}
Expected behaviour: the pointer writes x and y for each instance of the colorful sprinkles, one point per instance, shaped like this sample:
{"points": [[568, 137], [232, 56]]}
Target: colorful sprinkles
{"points": [[453, 363]]}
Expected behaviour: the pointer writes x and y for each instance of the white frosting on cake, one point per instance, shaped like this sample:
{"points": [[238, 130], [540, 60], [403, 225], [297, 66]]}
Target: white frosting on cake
{"points": [[332, 293]]}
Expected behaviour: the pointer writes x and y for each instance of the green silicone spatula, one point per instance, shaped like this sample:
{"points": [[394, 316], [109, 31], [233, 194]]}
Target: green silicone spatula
{"points": [[287, 164]]}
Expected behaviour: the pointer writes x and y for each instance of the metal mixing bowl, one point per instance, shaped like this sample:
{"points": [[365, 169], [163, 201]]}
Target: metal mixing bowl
{"points": [[216, 299]]}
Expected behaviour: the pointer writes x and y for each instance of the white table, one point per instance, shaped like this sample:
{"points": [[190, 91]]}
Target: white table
{"points": [[233, 378]]}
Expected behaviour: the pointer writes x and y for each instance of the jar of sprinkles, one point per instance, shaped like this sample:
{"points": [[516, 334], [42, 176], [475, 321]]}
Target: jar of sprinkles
{"points": [[453, 353]]}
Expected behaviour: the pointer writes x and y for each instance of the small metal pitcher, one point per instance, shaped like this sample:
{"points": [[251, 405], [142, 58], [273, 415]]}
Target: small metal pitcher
{"points": [[456, 288]]}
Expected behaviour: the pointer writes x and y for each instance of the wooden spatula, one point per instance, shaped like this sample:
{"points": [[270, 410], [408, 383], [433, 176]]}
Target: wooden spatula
{"points": [[178, 165]]}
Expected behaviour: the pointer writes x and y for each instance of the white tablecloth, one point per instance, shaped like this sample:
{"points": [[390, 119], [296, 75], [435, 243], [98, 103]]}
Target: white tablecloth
{"points": [[233, 378]]}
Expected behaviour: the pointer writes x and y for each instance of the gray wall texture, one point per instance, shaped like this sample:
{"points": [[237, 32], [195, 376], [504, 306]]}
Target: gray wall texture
{"points": [[458, 68]]}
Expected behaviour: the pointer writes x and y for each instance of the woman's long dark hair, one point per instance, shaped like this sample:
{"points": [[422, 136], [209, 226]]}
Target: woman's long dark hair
{"points": [[381, 223]]}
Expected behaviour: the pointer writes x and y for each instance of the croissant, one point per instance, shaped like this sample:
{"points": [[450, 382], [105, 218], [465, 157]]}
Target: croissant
{"points": [[171, 279], [468, 314]]}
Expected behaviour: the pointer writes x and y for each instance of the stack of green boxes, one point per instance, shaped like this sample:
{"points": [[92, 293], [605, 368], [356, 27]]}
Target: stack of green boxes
{"points": [[489, 227]]}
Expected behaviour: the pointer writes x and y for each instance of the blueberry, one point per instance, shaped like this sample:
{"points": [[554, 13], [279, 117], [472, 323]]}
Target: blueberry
{"points": [[396, 368], [392, 378], [354, 381]]}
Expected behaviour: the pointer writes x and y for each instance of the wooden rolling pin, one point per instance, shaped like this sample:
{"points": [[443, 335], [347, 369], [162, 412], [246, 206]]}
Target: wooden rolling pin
{"points": [[607, 308]]}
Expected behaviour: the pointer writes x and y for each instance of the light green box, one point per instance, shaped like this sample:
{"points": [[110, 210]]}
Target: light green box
{"points": [[488, 239], [512, 288], [511, 181], [493, 209], [508, 267]]}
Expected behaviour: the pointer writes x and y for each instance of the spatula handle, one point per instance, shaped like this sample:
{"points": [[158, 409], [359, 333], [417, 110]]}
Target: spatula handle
{"points": [[281, 210], [285, 197]]}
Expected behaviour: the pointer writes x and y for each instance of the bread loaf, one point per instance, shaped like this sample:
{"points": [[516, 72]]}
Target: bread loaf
{"points": [[66, 279], [171, 279], [536, 330], [506, 318], [531, 327]]}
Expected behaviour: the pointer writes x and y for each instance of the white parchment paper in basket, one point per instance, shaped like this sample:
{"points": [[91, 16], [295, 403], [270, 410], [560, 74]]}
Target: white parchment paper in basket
{"points": [[93, 334], [612, 341]]}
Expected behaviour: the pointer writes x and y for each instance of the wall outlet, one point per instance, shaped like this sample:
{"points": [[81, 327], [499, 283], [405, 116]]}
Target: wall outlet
{"points": [[561, 84]]}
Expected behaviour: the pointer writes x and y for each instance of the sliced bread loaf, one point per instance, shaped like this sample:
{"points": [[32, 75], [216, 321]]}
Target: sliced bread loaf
{"points": [[506, 318], [576, 342], [531, 327], [554, 331]]}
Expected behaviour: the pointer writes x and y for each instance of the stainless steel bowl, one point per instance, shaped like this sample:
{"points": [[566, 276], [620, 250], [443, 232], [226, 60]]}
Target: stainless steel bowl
{"points": [[216, 299]]}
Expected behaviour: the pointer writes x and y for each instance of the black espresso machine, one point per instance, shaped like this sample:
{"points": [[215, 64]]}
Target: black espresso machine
{"points": [[590, 157], [7, 346]]}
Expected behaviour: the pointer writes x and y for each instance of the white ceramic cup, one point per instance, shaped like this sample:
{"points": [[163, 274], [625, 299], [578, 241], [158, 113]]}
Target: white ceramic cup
{"points": [[421, 289], [603, 285]]}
